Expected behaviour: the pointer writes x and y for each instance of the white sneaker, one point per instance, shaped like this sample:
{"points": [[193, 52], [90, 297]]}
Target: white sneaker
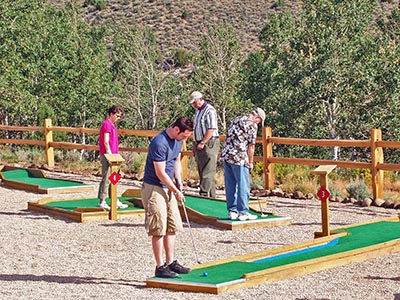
{"points": [[121, 205], [233, 215], [246, 216], [104, 205]]}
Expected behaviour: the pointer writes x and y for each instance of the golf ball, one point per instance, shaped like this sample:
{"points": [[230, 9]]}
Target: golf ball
{"points": [[205, 274]]}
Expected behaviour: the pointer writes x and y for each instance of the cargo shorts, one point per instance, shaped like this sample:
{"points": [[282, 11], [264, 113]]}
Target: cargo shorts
{"points": [[162, 212]]}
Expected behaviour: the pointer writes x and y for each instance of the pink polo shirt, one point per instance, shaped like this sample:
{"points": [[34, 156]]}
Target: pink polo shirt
{"points": [[108, 126]]}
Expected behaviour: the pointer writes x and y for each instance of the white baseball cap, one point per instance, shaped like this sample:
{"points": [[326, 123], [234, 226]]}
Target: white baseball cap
{"points": [[261, 113], [194, 96]]}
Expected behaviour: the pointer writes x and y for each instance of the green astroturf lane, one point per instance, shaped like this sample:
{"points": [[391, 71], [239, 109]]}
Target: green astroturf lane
{"points": [[43, 182], [359, 237], [215, 208], [92, 202]]}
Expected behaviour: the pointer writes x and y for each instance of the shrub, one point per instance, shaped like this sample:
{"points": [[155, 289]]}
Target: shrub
{"points": [[335, 191], [181, 57], [99, 4], [358, 190], [7, 154], [185, 14]]}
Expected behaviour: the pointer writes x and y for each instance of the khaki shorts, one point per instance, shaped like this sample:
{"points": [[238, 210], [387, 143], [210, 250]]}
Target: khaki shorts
{"points": [[162, 212]]}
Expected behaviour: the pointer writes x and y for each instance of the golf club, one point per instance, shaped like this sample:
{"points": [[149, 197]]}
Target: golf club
{"points": [[261, 209], [190, 231]]}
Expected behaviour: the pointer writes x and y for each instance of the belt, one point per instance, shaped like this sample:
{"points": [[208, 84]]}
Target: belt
{"points": [[212, 138]]}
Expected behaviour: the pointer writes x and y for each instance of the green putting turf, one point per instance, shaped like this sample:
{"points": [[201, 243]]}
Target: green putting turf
{"points": [[359, 237], [92, 202], [24, 176], [215, 208]]}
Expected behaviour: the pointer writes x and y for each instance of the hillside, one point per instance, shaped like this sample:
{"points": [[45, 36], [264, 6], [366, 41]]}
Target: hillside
{"points": [[179, 24]]}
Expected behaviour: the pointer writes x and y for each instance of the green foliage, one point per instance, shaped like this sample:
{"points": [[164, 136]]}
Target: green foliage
{"points": [[217, 73], [181, 58], [135, 162], [151, 97], [185, 14], [53, 65], [99, 4], [296, 172], [358, 190], [7, 154], [258, 169], [327, 72], [335, 192], [356, 174]]}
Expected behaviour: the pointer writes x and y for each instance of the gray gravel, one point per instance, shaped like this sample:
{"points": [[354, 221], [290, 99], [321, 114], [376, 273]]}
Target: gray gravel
{"points": [[45, 257]]}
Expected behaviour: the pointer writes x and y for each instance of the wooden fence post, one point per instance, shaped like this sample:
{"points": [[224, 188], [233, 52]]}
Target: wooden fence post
{"points": [[376, 159], [267, 154], [184, 162], [48, 138]]}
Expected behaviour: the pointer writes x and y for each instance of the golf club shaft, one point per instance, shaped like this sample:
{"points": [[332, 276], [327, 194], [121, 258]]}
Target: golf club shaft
{"points": [[190, 232], [259, 204]]}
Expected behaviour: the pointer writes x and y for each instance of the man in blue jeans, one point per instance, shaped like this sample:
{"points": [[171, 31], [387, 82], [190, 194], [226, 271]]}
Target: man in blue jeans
{"points": [[237, 157]]}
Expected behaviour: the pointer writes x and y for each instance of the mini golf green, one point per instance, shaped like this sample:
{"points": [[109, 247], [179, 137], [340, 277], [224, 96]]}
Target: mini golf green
{"points": [[91, 202], [359, 237], [216, 208], [24, 176]]}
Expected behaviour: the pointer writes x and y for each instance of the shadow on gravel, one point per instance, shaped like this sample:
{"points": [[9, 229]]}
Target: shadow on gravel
{"points": [[71, 279], [122, 225], [26, 214], [383, 278]]}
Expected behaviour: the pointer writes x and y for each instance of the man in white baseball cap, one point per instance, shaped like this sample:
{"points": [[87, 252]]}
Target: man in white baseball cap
{"points": [[206, 143]]}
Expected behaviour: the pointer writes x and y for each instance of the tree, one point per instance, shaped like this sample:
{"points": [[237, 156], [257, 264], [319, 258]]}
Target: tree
{"points": [[315, 69], [53, 65], [152, 93], [217, 72]]}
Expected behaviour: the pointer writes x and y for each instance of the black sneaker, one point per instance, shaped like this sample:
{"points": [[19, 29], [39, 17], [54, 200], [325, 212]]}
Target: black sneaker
{"points": [[165, 272], [178, 268]]}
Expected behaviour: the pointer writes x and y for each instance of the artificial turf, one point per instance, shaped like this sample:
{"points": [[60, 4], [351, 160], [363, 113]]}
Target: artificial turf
{"points": [[215, 208], [358, 237], [91, 202], [25, 176]]}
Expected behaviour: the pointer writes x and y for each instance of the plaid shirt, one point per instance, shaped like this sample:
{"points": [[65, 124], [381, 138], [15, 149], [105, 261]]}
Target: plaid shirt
{"points": [[242, 132]]}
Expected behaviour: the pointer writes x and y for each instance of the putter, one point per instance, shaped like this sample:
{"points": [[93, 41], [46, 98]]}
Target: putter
{"points": [[190, 231], [261, 210]]}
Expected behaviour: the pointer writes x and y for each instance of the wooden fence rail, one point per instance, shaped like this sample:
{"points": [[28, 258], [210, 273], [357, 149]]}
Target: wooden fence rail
{"points": [[376, 162]]}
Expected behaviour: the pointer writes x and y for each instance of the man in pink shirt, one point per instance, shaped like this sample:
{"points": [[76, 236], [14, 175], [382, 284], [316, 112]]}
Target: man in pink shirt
{"points": [[108, 144]]}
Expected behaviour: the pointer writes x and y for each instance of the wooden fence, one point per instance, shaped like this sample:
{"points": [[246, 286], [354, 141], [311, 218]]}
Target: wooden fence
{"points": [[376, 162]]}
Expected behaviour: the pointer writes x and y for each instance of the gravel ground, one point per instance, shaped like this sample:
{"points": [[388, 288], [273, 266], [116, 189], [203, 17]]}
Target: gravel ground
{"points": [[45, 257]]}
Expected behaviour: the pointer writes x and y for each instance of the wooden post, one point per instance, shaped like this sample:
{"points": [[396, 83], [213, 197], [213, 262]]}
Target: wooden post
{"points": [[323, 172], [114, 160], [267, 153], [184, 162], [48, 138], [376, 159]]}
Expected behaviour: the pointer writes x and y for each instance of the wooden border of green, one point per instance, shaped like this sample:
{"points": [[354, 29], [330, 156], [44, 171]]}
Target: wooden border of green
{"points": [[197, 217], [287, 271], [83, 214], [36, 188]]}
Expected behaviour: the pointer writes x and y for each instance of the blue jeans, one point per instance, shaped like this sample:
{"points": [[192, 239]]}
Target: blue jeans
{"points": [[237, 187]]}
